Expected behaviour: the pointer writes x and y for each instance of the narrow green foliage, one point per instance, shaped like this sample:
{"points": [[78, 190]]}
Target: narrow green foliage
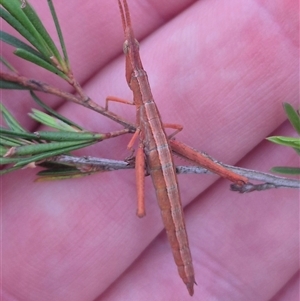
{"points": [[34, 149], [4, 161], [16, 17], [3, 150], [54, 113], [38, 61], [10, 142], [11, 40], [18, 26], [286, 170], [11, 122], [44, 54], [19, 134], [58, 151], [20, 148], [53, 136], [69, 136], [50, 121], [293, 117], [59, 32], [7, 63], [38, 25], [38, 152], [295, 122], [11, 86], [286, 141], [7, 170], [61, 173]]}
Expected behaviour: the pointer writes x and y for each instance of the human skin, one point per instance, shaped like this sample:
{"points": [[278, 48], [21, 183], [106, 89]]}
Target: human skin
{"points": [[221, 69]]}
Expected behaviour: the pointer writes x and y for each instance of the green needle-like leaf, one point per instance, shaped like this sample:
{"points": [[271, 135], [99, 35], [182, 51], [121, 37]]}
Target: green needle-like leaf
{"points": [[6, 63], [34, 149], [293, 117], [17, 19], [4, 161], [7, 170], [38, 25], [286, 170], [29, 25], [10, 133], [3, 150], [52, 153], [69, 136], [54, 113], [11, 40], [51, 121], [61, 174], [11, 122], [286, 141], [38, 61], [59, 32], [53, 136], [4, 84], [10, 142]]}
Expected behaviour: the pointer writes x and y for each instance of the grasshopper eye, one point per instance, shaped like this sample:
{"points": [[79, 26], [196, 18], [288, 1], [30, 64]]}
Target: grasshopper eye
{"points": [[137, 44], [125, 47], [134, 45]]}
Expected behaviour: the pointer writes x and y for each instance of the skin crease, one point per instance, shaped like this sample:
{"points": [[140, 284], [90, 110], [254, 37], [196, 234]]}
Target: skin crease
{"points": [[221, 69]]}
